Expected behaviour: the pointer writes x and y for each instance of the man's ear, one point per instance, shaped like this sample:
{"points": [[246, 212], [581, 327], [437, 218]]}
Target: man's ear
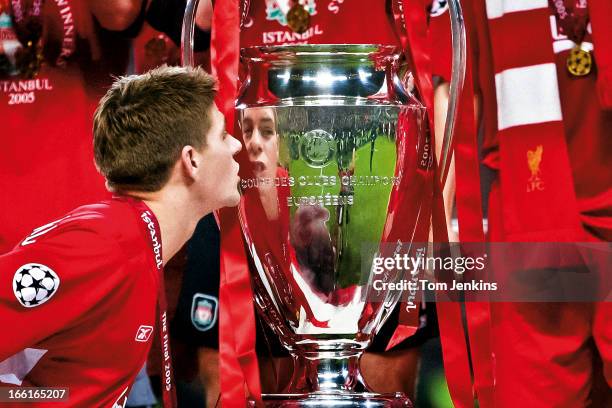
{"points": [[190, 161]]}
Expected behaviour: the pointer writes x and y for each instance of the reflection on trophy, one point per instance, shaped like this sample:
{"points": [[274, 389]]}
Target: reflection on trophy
{"points": [[335, 144]]}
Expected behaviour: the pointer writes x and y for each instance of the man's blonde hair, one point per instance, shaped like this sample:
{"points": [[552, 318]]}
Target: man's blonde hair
{"points": [[144, 121]]}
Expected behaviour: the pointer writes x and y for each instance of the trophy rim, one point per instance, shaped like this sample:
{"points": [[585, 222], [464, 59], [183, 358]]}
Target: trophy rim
{"points": [[275, 52]]}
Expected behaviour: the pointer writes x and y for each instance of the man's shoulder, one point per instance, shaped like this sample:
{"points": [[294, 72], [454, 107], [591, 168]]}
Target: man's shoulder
{"points": [[79, 253], [104, 215], [102, 241], [105, 224]]}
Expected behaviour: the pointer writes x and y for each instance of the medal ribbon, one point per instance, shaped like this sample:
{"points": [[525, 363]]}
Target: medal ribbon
{"points": [[29, 28], [245, 6], [68, 42], [153, 232], [450, 321], [469, 211], [413, 41], [239, 369], [18, 10], [469, 215], [413, 33], [574, 21], [28, 23]]}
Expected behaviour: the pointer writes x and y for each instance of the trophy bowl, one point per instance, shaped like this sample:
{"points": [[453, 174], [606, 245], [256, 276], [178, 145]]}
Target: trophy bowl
{"points": [[340, 164]]}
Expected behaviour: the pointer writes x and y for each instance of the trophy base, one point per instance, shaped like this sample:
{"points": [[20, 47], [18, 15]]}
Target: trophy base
{"points": [[323, 400]]}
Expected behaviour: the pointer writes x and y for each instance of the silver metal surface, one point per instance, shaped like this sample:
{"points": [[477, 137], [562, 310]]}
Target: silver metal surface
{"points": [[331, 135], [187, 33], [456, 84]]}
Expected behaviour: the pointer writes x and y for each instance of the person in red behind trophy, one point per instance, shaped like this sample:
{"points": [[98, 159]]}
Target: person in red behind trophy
{"points": [[88, 287], [544, 75], [561, 134]]}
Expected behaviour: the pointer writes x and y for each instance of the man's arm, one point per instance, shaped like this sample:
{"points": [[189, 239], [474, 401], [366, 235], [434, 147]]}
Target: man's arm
{"points": [[441, 97], [204, 15], [119, 15], [48, 284], [208, 362], [115, 15], [399, 373]]}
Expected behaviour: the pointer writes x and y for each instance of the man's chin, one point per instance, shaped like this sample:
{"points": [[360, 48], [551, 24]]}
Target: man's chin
{"points": [[233, 200]]}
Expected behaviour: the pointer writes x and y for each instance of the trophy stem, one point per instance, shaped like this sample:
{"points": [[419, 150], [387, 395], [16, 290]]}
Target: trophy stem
{"points": [[328, 379], [326, 372]]}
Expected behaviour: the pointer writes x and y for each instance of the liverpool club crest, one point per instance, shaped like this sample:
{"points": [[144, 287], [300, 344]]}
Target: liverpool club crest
{"points": [[204, 311]]}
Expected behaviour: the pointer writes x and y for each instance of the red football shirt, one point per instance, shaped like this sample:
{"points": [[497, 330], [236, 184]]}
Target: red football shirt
{"points": [[588, 131], [78, 304], [587, 134]]}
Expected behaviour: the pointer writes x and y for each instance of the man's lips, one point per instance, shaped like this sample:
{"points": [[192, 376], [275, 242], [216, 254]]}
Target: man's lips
{"points": [[258, 166]]}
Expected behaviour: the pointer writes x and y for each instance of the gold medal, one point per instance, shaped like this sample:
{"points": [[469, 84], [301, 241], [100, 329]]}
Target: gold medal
{"points": [[156, 48], [298, 19], [579, 61], [28, 28]]}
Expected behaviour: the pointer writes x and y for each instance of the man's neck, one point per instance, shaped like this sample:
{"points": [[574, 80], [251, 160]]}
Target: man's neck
{"points": [[177, 218]]}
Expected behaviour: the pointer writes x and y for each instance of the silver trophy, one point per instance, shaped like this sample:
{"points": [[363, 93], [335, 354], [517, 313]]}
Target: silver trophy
{"points": [[340, 163]]}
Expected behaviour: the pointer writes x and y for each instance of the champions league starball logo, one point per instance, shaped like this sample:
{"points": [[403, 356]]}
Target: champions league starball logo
{"points": [[34, 284]]}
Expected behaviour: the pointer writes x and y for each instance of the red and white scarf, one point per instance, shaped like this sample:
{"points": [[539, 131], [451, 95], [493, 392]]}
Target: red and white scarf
{"points": [[539, 203]]}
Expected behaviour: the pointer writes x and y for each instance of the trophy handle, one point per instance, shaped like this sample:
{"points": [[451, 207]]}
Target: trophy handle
{"points": [[456, 84], [187, 35]]}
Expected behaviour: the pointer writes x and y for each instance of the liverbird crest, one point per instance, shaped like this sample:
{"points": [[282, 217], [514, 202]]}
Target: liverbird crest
{"points": [[534, 158]]}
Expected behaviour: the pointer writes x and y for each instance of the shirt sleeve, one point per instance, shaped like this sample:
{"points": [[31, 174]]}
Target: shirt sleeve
{"points": [[49, 285]]}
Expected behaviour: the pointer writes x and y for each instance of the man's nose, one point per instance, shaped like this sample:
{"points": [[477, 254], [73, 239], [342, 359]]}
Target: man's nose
{"points": [[236, 146], [254, 146]]}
